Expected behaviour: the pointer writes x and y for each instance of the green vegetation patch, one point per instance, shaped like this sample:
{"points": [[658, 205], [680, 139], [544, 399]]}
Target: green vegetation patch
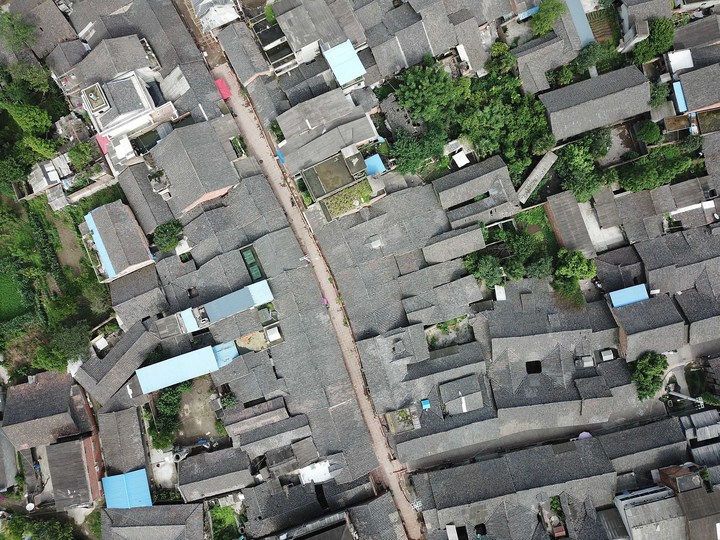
{"points": [[348, 199], [648, 372], [166, 422], [223, 523], [13, 303]]}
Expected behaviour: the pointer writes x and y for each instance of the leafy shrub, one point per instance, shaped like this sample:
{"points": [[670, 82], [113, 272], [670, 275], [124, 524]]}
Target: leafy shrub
{"points": [[658, 94], [648, 132], [543, 21], [167, 236], [658, 42], [484, 267], [574, 265], [81, 155], [648, 372]]}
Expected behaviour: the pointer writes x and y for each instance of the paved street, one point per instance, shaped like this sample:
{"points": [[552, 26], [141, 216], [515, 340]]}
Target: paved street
{"points": [[390, 472]]}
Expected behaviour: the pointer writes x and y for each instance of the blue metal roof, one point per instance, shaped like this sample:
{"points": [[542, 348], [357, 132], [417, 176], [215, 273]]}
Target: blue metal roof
{"points": [[374, 165], [251, 296], [529, 13], [629, 295], [189, 320], [580, 20], [680, 96], [177, 369], [100, 247], [225, 353], [129, 490], [344, 62]]}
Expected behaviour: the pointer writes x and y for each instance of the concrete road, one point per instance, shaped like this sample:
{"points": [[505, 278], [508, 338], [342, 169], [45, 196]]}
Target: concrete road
{"points": [[390, 472]]}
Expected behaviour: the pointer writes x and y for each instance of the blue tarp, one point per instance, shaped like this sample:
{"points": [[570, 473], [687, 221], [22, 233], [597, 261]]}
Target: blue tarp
{"points": [[344, 62], [280, 157], [374, 165], [251, 296], [129, 490], [580, 20], [680, 97], [100, 246], [629, 295], [177, 369]]}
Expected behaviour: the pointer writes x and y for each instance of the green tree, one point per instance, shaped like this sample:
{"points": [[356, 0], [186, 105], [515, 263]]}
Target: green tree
{"points": [[430, 94], [661, 166], [11, 170], [413, 153], [16, 33], [31, 119], [167, 235], [522, 246], [648, 132], [660, 40], [67, 343], [599, 141], [501, 59], [44, 148], [561, 76], [270, 15], [543, 144], [35, 76], [543, 21], [21, 528], [514, 269], [589, 56], [484, 267], [576, 168], [574, 265], [81, 155], [648, 373], [540, 267], [658, 94]]}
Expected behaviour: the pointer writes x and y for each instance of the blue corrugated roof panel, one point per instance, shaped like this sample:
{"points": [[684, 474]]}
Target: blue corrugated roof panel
{"points": [[680, 96], [225, 353], [580, 20], [629, 295], [251, 296], [129, 490], [374, 165], [177, 369], [100, 247], [528, 13], [344, 62]]}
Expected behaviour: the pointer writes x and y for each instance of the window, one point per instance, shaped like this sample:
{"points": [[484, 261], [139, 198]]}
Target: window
{"points": [[533, 367]]}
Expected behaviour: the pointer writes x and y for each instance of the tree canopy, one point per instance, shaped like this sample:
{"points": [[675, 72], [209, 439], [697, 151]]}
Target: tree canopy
{"points": [[30, 118], [21, 527], [648, 132], [576, 169], [68, 343], [660, 40], [81, 155], [574, 265], [35, 76], [659, 93], [167, 236], [16, 33], [429, 93], [484, 267], [550, 11], [660, 166], [648, 372]]}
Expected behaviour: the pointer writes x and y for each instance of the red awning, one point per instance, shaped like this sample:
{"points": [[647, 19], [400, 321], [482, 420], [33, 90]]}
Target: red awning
{"points": [[223, 88], [103, 143]]}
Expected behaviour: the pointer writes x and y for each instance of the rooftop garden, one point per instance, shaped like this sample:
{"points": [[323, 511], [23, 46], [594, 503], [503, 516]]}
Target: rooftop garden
{"points": [[348, 199]]}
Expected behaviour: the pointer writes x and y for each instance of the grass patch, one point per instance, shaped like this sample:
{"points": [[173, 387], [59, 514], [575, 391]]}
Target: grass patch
{"points": [[13, 303], [223, 523], [348, 199]]}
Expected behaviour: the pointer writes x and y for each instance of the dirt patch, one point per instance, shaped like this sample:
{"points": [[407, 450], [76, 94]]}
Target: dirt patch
{"points": [[454, 332], [71, 253], [197, 420]]}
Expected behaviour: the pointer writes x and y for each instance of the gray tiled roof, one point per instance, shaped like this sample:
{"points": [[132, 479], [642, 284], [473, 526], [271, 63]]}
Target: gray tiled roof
{"points": [[700, 88], [568, 223], [68, 471], [213, 473], [454, 244], [102, 377], [243, 52], [8, 462], [124, 241], [598, 102], [172, 522], [195, 165], [50, 27], [110, 58], [38, 413], [149, 207], [122, 441], [306, 22], [65, 55], [705, 31], [272, 510], [463, 185], [378, 519]]}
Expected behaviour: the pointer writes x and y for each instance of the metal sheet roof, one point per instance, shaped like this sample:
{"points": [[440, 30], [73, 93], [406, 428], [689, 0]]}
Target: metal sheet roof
{"points": [[129, 490], [374, 165], [177, 369], [254, 295], [680, 96], [344, 62], [100, 247], [629, 295], [580, 20]]}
